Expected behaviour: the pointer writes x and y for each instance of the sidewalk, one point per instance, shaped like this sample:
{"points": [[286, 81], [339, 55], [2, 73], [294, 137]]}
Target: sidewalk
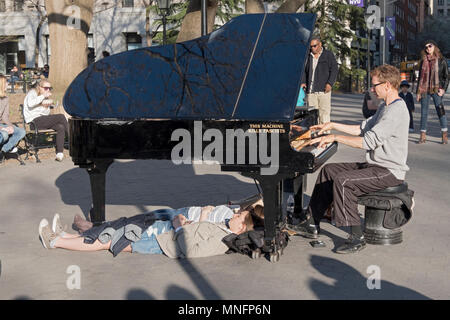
{"points": [[414, 269]]}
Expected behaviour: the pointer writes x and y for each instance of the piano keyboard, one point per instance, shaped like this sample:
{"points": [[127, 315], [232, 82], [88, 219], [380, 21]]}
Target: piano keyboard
{"points": [[317, 151]]}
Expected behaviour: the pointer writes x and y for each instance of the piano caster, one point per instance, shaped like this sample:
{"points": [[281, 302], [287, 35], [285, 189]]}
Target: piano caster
{"points": [[256, 254], [275, 256]]}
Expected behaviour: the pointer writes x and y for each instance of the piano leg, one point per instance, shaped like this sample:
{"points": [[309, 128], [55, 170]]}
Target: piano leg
{"points": [[97, 172], [297, 186], [271, 189]]}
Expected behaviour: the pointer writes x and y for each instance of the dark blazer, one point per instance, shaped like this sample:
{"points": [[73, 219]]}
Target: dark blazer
{"points": [[326, 71], [443, 74]]}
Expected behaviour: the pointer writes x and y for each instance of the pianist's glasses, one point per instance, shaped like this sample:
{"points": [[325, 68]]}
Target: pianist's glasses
{"points": [[314, 45], [374, 85], [47, 88]]}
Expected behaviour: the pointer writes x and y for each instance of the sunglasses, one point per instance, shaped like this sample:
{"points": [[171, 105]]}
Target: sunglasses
{"points": [[429, 46], [374, 85], [47, 88], [313, 46]]}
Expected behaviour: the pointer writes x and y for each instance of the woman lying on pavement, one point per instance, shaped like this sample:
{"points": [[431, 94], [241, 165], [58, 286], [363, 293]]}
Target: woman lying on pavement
{"points": [[168, 231]]}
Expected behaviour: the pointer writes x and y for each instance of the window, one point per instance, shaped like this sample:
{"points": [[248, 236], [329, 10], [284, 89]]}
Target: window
{"points": [[448, 12], [134, 41], [130, 3], [18, 5], [440, 2], [440, 12], [2, 5]]}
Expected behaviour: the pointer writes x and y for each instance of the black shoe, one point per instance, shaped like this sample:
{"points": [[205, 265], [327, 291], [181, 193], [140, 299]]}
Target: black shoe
{"points": [[352, 245], [305, 229]]}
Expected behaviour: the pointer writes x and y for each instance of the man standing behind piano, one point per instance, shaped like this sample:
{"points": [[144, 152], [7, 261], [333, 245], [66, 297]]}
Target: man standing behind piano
{"points": [[384, 136], [320, 74]]}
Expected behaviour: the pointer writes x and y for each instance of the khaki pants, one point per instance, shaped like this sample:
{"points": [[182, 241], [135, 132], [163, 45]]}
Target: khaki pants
{"points": [[321, 101]]}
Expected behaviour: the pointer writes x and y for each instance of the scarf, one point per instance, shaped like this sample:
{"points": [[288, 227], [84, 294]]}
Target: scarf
{"points": [[429, 81]]}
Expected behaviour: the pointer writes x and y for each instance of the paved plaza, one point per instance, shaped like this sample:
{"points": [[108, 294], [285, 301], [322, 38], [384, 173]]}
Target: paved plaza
{"points": [[415, 269]]}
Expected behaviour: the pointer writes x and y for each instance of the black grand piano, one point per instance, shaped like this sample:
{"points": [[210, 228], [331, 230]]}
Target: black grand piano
{"points": [[228, 97]]}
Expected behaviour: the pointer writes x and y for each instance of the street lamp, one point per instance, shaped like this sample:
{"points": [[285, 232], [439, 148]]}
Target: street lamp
{"points": [[164, 6]]}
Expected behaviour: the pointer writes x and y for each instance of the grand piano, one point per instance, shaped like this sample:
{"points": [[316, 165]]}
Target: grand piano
{"points": [[227, 97]]}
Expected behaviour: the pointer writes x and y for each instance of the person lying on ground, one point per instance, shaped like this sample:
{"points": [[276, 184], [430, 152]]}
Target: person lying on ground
{"points": [[178, 238]]}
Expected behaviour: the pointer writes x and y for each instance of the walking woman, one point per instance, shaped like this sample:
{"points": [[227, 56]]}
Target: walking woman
{"points": [[433, 82]]}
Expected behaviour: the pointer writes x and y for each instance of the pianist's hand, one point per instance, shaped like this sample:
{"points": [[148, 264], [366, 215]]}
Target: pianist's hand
{"points": [[322, 127], [323, 140]]}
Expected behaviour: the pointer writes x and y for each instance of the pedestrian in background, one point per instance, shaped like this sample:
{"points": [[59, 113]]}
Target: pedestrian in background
{"points": [[433, 82], [409, 100], [321, 71]]}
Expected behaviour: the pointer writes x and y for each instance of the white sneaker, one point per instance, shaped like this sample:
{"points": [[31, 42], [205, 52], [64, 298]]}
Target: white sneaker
{"points": [[46, 234], [13, 150], [59, 156], [57, 227]]}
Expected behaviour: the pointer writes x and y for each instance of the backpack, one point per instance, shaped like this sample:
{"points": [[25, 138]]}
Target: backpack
{"points": [[249, 241]]}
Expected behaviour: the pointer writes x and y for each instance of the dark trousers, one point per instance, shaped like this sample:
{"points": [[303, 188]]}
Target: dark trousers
{"points": [[411, 121], [56, 122], [340, 184]]}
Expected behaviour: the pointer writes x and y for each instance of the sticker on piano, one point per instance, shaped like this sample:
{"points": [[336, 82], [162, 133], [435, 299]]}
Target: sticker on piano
{"points": [[228, 147]]}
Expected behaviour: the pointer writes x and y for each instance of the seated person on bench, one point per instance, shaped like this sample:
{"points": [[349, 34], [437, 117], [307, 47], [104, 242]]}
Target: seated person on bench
{"points": [[14, 134], [384, 136], [177, 237], [36, 108]]}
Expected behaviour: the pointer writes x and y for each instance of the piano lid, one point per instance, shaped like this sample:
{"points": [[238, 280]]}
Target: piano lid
{"points": [[249, 69]]}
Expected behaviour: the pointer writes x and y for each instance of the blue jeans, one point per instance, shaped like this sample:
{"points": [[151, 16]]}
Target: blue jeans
{"points": [[148, 243], [425, 102], [12, 80], [14, 139]]}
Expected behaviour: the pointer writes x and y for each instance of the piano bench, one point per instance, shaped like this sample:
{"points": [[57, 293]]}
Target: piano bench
{"points": [[374, 215]]}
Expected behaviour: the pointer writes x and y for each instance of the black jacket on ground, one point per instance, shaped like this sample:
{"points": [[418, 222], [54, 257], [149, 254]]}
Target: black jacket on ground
{"points": [[443, 74], [142, 221], [326, 71]]}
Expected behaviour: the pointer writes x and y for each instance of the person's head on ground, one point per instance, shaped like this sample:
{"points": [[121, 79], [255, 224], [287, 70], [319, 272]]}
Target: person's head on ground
{"points": [[385, 81], [46, 67], [2, 86], [404, 86], [241, 222], [430, 49], [105, 54], [315, 45], [14, 69]]}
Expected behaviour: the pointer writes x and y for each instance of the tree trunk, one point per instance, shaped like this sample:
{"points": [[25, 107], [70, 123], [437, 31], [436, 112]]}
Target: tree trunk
{"points": [[290, 6], [191, 26], [148, 35], [68, 39], [38, 41], [254, 6]]}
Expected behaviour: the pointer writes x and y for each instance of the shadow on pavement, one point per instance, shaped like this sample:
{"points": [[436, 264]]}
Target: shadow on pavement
{"points": [[152, 182], [350, 284]]}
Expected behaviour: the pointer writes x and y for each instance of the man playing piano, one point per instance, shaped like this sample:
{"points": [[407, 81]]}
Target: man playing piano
{"points": [[384, 136]]}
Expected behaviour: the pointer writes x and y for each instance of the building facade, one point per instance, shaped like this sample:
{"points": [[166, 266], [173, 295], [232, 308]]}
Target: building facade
{"points": [[117, 25], [441, 8]]}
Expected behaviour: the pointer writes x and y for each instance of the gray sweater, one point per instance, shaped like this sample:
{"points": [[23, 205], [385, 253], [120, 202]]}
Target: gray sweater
{"points": [[385, 137]]}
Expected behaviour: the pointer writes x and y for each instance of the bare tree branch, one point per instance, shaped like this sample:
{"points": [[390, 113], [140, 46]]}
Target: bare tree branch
{"points": [[290, 6]]}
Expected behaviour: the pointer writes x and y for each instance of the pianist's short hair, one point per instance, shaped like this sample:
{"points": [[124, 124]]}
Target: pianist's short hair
{"points": [[388, 73], [317, 38]]}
